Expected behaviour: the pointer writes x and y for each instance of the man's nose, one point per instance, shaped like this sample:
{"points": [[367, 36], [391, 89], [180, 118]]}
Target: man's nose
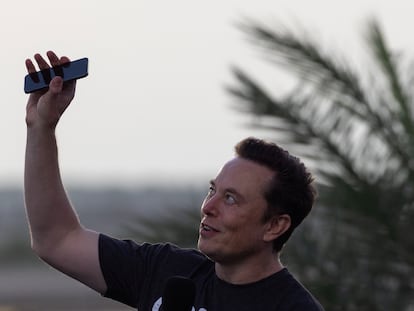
{"points": [[209, 206]]}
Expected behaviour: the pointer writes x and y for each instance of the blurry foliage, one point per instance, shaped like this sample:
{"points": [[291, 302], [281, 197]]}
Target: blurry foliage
{"points": [[179, 226], [177, 222], [356, 131], [16, 251]]}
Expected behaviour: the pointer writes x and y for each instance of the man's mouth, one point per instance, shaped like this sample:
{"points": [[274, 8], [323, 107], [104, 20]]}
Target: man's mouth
{"points": [[207, 228]]}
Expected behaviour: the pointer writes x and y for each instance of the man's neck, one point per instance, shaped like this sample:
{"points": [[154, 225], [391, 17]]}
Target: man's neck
{"points": [[248, 272]]}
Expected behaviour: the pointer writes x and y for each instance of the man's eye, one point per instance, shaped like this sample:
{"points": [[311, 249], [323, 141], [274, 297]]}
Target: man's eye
{"points": [[211, 190], [230, 199]]}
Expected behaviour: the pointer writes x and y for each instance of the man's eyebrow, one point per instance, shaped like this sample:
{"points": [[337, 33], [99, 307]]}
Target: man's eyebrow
{"points": [[228, 190], [233, 190]]}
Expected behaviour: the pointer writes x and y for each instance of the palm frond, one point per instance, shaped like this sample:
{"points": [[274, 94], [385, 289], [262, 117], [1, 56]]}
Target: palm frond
{"points": [[337, 87], [179, 226]]}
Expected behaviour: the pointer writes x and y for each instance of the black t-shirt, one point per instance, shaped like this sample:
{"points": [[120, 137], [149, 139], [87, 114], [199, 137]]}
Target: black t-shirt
{"points": [[136, 275]]}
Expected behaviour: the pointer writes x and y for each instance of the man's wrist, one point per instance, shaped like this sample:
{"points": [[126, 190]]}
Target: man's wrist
{"points": [[40, 129]]}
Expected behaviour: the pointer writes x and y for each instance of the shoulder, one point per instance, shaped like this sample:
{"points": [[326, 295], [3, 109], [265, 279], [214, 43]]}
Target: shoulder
{"points": [[296, 296]]}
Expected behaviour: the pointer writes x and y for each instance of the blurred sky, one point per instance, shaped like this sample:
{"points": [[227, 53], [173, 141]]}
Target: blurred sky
{"points": [[154, 105]]}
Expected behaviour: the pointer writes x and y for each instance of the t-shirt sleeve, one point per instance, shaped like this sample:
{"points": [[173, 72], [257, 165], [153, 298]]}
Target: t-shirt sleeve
{"points": [[119, 264]]}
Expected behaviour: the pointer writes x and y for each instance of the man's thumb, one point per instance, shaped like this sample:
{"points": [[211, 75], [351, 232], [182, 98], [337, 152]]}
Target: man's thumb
{"points": [[55, 86]]}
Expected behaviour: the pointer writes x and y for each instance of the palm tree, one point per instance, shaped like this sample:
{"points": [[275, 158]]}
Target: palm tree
{"points": [[354, 127]]}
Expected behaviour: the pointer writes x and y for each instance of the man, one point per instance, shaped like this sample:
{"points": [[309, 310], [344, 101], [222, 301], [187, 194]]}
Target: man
{"points": [[251, 209]]}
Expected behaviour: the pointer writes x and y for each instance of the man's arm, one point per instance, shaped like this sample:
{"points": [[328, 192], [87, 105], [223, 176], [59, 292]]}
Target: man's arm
{"points": [[56, 233]]}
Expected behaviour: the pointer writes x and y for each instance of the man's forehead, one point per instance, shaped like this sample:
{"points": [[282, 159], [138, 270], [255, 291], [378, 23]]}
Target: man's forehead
{"points": [[241, 169]]}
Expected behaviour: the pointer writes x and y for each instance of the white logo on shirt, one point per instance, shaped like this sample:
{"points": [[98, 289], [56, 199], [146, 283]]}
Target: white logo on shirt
{"points": [[158, 303]]}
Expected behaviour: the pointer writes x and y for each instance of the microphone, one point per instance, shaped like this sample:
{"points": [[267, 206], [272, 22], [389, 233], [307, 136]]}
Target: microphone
{"points": [[179, 294]]}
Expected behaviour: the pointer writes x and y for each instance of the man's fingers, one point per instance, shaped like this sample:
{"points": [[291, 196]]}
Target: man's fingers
{"points": [[64, 60], [41, 62], [54, 60], [30, 66]]}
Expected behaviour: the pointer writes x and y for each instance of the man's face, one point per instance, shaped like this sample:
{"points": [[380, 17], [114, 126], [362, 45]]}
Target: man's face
{"points": [[232, 227]]}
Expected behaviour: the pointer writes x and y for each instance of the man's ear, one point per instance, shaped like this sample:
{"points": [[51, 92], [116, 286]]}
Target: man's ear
{"points": [[277, 225]]}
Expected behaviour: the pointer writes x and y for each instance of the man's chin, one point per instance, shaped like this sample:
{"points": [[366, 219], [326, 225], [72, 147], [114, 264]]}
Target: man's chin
{"points": [[203, 248]]}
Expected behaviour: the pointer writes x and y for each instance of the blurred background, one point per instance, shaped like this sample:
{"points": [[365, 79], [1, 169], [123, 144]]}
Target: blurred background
{"points": [[172, 87]]}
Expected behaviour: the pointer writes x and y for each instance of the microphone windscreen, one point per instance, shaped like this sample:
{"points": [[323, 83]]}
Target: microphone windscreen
{"points": [[179, 294]]}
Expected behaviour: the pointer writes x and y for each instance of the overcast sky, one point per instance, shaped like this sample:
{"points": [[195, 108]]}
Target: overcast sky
{"points": [[154, 104]]}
